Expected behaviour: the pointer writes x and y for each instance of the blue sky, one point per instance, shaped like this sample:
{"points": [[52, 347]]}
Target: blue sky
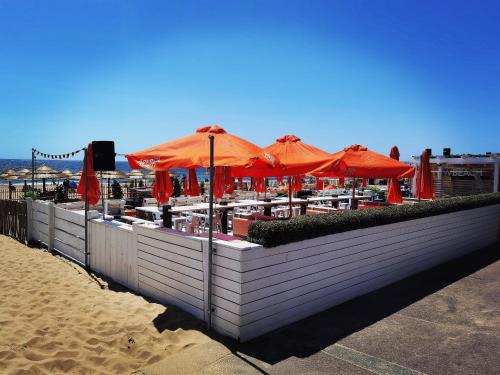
{"points": [[412, 73]]}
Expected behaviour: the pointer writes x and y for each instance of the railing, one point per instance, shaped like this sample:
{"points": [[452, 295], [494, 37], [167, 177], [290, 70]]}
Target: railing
{"points": [[18, 194], [13, 220]]}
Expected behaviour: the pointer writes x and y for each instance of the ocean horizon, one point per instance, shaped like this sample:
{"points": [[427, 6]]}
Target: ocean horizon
{"points": [[73, 165]]}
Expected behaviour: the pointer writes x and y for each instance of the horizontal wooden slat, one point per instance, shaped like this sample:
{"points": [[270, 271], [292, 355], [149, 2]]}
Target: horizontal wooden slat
{"points": [[169, 290], [168, 263], [164, 253], [334, 259], [173, 248], [339, 275], [160, 293], [188, 280]]}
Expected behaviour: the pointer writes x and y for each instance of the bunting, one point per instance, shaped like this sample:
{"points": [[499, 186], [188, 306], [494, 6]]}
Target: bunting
{"points": [[53, 156]]}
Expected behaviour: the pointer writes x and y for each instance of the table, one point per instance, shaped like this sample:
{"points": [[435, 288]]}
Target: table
{"points": [[337, 199]]}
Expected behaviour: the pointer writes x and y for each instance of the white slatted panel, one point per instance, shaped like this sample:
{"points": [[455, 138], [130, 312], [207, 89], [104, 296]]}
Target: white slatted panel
{"points": [[170, 268], [113, 252]]}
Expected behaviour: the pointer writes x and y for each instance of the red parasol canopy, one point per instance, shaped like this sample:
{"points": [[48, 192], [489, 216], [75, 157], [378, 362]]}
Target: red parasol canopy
{"points": [[319, 184], [162, 186], [394, 195], [193, 151], [93, 188], [192, 187], [425, 187], [358, 161]]}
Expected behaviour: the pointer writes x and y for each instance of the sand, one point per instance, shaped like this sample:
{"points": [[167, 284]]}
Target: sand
{"points": [[57, 319]]}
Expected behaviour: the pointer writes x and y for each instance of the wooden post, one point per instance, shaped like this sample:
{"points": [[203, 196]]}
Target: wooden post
{"points": [[29, 219], [51, 232]]}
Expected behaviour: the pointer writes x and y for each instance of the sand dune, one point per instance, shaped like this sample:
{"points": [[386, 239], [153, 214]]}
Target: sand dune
{"points": [[55, 318]]}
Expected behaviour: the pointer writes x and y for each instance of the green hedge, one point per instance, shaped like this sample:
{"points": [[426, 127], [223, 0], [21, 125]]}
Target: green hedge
{"points": [[279, 232]]}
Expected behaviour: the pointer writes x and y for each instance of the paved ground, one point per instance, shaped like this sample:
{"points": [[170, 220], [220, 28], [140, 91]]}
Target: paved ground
{"points": [[443, 321]]}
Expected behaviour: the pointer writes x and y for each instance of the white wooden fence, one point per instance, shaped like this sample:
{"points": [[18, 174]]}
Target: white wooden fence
{"points": [[113, 251], [256, 289]]}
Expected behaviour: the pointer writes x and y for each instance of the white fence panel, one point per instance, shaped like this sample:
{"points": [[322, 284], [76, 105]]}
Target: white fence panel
{"points": [[113, 251], [170, 268]]}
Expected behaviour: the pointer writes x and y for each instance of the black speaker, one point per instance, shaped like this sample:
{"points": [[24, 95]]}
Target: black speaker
{"points": [[103, 153], [429, 151], [447, 152]]}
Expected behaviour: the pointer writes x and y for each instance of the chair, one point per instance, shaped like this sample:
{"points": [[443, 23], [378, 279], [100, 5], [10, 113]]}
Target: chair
{"points": [[194, 225]]}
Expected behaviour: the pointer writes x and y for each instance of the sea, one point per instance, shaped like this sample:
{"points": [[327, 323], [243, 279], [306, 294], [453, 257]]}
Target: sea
{"points": [[74, 166]]}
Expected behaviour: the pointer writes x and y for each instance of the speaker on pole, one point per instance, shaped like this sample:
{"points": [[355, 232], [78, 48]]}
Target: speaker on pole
{"points": [[103, 153], [447, 152]]}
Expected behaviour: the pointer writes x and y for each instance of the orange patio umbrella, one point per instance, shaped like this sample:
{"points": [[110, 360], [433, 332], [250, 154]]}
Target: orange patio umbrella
{"points": [[425, 187], [295, 158], [394, 194], [193, 151], [93, 188], [357, 161]]}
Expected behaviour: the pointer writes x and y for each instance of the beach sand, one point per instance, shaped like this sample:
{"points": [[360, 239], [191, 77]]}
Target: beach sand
{"points": [[55, 318]]}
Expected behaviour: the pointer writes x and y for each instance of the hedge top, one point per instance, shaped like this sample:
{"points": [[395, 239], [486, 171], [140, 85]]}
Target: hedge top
{"points": [[280, 232]]}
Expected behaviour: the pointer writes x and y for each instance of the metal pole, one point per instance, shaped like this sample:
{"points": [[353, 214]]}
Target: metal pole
{"points": [[102, 199], [210, 229], [289, 196], [86, 198], [33, 169], [353, 204]]}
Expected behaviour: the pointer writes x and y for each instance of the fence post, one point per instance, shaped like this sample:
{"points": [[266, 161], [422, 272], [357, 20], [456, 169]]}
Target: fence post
{"points": [[52, 219], [29, 219], [133, 275]]}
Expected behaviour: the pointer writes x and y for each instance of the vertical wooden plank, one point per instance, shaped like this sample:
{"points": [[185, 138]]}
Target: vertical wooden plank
{"points": [[204, 249], [52, 218], [29, 219], [133, 271]]}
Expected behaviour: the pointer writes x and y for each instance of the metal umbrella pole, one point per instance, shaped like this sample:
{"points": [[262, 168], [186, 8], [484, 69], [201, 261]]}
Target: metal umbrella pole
{"points": [[210, 229], [86, 198]]}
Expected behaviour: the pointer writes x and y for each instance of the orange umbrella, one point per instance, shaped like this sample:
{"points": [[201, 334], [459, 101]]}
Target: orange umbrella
{"points": [[193, 188], [193, 151], [295, 157], [93, 188], [341, 182], [358, 161], [425, 187], [394, 195], [162, 186]]}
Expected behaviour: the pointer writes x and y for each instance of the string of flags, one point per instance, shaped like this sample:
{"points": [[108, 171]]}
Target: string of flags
{"points": [[52, 156]]}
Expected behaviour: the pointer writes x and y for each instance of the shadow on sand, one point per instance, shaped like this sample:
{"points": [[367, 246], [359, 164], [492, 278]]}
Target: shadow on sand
{"points": [[317, 332]]}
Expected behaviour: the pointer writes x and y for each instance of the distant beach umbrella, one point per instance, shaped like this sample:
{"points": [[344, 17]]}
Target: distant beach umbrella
{"points": [[113, 174], [135, 174], [66, 173]]}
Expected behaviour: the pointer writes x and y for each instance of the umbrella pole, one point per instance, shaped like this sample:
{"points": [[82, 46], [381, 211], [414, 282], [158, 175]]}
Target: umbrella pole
{"points": [[289, 196], [210, 231], [353, 192], [86, 198], [419, 179]]}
